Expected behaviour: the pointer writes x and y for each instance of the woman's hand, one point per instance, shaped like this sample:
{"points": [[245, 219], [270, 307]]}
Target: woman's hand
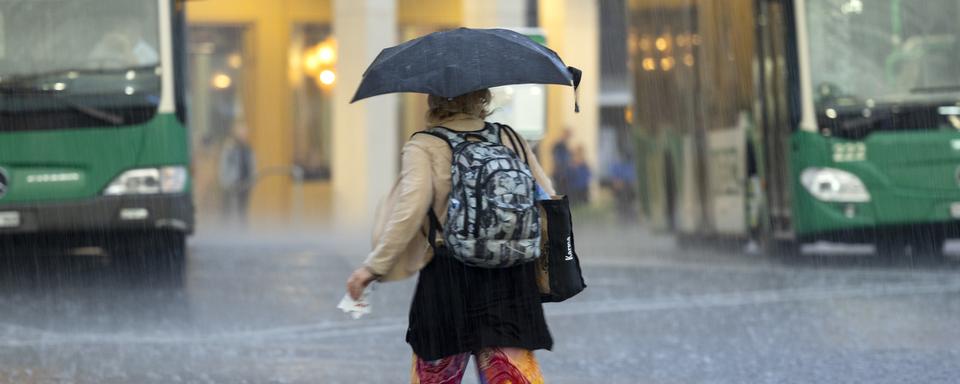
{"points": [[359, 280]]}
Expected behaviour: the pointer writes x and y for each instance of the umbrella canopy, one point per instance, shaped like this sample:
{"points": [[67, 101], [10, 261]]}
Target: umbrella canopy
{"points": [[459, 61]]}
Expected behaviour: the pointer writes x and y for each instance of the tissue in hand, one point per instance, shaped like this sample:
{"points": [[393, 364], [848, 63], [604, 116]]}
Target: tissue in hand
{"points": [[357, 308]]}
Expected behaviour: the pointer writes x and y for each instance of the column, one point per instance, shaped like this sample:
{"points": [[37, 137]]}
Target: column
{"points": [[571, 28], [494, 13], [271, 127], [365, 159]]}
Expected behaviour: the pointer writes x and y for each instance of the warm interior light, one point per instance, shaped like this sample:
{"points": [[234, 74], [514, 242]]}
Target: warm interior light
{"points": [[645, 44], [327, 77], [222, 81], [662, 43], [649, 64], [320, 57], [235, 61], [326, 54], [667, 63], [319, 62], [311, 63]]}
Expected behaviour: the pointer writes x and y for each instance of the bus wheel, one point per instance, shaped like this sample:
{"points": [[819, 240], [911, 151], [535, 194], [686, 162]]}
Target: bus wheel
{"points": [[153, 258]]}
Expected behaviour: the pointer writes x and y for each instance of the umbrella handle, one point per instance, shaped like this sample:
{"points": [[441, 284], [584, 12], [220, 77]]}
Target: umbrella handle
{"points": [[576, 74]]}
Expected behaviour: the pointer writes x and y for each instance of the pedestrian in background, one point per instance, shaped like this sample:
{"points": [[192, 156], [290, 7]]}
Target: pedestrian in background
{"points": [[237, 171], [457, 310], [623, 185], [579, 176], [562, 159]]}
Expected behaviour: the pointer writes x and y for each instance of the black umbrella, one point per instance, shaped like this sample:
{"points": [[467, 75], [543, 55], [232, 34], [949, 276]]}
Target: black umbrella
{"points": [[459, 61]]}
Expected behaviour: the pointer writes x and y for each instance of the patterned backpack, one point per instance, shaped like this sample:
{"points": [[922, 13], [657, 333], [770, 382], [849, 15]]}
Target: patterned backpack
{"points": [[492, 217]]}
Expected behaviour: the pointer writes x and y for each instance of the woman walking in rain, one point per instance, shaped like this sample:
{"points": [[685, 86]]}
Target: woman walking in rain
{"points": [[463, 212], [494, 314]]}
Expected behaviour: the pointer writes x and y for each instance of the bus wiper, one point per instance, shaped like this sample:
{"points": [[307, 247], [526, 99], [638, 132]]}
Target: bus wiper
{"points": [[13, 89], [936, 89], [19, 79], [97, 113]]}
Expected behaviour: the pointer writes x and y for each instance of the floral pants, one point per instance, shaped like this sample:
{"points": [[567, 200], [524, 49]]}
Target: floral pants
{"points": [[494, 366]]}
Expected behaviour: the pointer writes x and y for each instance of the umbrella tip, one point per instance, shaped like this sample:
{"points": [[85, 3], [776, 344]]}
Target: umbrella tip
{"points": [[575, 75]]}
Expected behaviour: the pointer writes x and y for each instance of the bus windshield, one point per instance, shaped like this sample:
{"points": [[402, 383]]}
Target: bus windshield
{"points": [[877, 52], [55, 54]]}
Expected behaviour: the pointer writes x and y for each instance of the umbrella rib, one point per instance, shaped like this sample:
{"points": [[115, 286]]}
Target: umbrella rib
{"points": [[544, 49], [398, 50]]}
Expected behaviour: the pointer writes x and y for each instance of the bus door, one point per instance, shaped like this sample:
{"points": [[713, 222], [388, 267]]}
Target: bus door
{"points": [[775, 49]]}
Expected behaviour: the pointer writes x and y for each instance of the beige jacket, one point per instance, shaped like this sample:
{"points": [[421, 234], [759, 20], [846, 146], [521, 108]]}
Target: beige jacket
{"points": [[400, 247]]}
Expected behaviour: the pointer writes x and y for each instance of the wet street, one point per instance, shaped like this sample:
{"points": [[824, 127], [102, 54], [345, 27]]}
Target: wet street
{"points": [[257, 310]]}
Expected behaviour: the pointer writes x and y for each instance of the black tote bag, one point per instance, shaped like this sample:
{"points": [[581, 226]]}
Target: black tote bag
{"points": [[558, 268], [558, 271]]}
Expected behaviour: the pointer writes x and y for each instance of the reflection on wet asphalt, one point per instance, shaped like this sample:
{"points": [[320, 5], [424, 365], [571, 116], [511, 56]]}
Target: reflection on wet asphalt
{"points": [[257, 310]]}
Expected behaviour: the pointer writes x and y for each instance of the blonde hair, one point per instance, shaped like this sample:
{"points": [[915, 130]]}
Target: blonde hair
{"points": [[475, 104]]}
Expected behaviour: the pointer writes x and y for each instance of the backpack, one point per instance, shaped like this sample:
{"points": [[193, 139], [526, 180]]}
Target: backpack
{"points": [[492, 217]]}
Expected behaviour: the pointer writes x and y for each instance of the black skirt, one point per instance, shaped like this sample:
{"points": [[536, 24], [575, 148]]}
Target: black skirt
{"points": [[458, 308]]}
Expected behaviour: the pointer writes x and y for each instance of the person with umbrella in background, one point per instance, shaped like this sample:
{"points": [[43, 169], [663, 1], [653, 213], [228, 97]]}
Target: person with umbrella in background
{"points": [[460, 212], [562, 159]]}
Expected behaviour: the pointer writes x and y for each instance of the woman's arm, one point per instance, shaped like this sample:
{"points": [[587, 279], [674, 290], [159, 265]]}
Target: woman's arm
{"points": [[538, 172], [414, 195]]}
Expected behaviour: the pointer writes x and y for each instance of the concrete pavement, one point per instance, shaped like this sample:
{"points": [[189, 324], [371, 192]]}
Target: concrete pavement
{"points": [[261, 309]]}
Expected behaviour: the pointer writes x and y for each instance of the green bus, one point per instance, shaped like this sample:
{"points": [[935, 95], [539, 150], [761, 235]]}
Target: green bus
{"points": [[793, 121], [93, 137]]}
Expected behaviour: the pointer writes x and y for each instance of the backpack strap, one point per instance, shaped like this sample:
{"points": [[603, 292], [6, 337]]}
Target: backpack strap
{"points": [[437, 134], [434, 227], [453, 138], [489, 133], [517, 142]]}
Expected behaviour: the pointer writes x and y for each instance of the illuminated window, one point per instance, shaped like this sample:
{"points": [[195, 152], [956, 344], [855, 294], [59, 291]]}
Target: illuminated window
{"points": [[312, 73], [218, 120]]}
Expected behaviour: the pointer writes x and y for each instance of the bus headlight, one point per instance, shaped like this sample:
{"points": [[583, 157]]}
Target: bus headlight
{"points": [[834, 185], [146, 181]]}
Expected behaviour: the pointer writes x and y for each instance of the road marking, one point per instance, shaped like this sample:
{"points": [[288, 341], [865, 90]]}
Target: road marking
{"points": [[734, 299]]}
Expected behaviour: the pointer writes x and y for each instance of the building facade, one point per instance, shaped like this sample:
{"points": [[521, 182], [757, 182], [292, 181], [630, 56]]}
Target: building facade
{"points": [[278, 75]]}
